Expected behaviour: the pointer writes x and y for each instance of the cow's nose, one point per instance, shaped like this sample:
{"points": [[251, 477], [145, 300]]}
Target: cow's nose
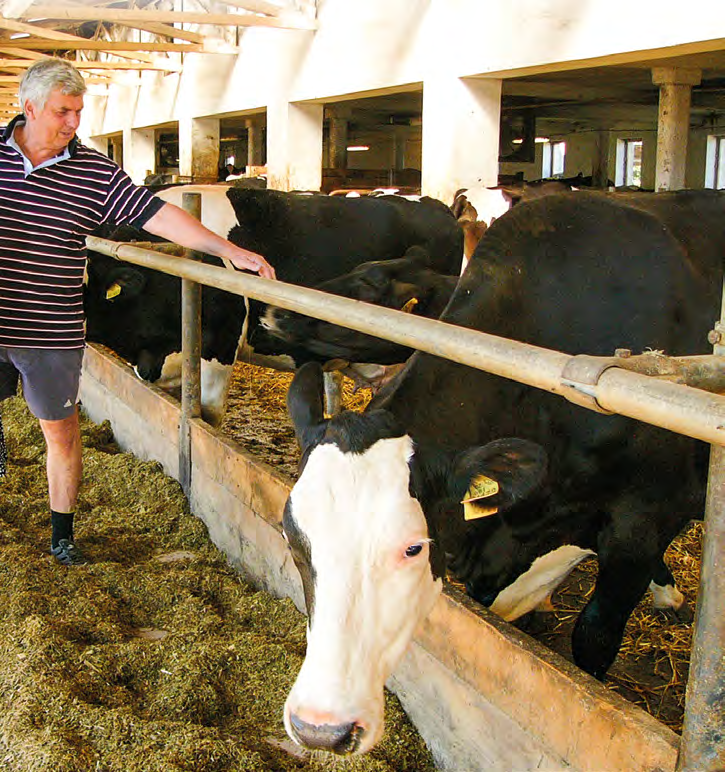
{"points": [[338, 738]]}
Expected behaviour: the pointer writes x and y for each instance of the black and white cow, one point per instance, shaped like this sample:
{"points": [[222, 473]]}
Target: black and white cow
{"points": [[308, 239], [377, 514], [407, 283]]}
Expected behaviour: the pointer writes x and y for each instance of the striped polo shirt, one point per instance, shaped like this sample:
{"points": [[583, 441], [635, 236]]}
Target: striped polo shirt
{"points": [[44, 219]]}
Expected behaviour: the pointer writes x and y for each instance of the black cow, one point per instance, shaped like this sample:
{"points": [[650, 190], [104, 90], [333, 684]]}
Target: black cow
{"points": [[377, 510], [407, 283], [136, 312], [308, 239]]}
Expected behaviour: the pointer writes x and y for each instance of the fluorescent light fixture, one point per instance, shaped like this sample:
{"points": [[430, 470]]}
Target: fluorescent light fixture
{"points": [[542, 140], [357, 148]]}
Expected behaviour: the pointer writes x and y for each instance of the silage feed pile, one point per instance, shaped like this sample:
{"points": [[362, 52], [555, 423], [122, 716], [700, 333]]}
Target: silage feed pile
{"points": [[157, 656]]}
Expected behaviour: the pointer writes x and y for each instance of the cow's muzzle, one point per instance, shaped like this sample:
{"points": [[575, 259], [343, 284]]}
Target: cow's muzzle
{"points": [[342, 739]]}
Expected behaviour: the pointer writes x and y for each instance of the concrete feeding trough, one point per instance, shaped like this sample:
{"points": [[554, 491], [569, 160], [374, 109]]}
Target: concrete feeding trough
{"points": [[482, 694]]}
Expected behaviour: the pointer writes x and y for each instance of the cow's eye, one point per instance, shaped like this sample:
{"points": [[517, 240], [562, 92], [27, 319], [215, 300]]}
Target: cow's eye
{"points": [[413, 550]]}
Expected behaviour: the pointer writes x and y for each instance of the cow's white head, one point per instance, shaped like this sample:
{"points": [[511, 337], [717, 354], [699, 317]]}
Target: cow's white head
{"points": [[371, 571]]}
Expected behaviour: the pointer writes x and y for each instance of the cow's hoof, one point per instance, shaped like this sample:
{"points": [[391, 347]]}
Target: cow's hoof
{"points": [[678, 616]]}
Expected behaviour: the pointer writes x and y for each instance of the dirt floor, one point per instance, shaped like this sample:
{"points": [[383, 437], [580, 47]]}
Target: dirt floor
{"points": [[651, 669], [156, 657]]}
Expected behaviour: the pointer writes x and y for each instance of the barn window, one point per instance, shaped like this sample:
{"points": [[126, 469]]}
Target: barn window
{"points": [[715, 162], [629, 162], [553, 156]]}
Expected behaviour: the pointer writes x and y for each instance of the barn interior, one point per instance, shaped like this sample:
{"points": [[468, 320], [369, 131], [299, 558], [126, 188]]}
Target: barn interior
{"points": [[424, 97], [370, 129]]}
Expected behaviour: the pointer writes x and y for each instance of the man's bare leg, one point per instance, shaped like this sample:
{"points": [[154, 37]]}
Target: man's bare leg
{"points": [[64, 469]]}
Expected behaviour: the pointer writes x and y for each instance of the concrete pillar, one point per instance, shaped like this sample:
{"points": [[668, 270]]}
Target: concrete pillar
{"points": [[461, 121], [199, 149], [674, 124], [294, 146], [600, 159], [117, 147], [139, 153], [97, 143], [255, 145], [338, 142], [400, 141]]}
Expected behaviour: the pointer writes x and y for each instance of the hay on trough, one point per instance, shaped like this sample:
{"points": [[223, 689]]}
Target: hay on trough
{"points": [[155, 657]]}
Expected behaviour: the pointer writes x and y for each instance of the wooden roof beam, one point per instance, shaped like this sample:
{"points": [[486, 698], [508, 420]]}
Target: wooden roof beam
{"points": [[110, 46], [169, 31], [23, 64], [34, 55], [132, 16], [35, 29], [48, 34]]}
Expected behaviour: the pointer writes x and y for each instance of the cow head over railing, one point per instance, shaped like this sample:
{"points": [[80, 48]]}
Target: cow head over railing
{"points": [[360, 530]]}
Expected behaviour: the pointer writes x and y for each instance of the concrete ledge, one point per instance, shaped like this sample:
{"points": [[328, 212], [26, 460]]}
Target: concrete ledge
{"points": [[482, 694]]}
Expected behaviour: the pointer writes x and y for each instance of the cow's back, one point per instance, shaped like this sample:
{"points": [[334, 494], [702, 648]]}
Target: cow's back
{"points": [[584, 274], [313, 238]]}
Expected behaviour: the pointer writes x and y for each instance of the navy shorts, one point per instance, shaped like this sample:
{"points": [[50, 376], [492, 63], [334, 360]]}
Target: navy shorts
{"points": [[50, 378]]}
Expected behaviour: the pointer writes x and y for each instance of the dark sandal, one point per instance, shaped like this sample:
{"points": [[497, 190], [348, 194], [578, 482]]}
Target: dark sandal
{"points": [[68, 554]]}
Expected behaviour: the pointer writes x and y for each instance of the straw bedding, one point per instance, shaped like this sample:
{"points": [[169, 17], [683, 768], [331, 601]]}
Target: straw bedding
{"points": [[157, 656]]}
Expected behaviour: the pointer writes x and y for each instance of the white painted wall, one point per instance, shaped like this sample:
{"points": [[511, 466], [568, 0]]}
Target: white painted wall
{"points": [[366, 47]]}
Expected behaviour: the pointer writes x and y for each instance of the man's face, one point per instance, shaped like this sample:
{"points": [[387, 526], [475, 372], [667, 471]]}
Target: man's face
{"points": [[56, 124]]}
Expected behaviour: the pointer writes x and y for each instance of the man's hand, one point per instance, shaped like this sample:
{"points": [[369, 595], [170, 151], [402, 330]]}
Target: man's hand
{"points": [[250, 261], [174, 224]]}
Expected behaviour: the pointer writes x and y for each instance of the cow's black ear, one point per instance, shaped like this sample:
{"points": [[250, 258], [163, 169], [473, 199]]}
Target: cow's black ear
{"points": [[305, 403], [494, 478], [125, 283], [419, 255]]}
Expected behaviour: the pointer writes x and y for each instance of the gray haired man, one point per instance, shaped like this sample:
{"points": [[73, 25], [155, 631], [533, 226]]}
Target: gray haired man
{"points": [[53, 192]]}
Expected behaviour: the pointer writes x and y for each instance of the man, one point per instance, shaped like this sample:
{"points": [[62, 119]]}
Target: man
{"points": [[53, 192]]}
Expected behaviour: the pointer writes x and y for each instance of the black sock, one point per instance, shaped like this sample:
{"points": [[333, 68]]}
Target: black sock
{"points": [[62, 523]]}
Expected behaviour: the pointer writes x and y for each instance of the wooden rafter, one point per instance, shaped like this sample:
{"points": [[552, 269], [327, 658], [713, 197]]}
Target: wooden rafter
{"points": [[64, 37], [132, 16], [34, 29], [91, 33], [166, 30], [23, 64], [34, 55], [112, 46]]}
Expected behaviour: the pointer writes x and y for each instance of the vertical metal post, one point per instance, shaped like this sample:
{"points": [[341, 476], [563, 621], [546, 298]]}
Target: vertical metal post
{"points": [[702, 748], [190, 355]]}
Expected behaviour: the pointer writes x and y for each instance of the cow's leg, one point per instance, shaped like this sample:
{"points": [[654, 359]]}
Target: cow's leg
{"points": [[621, 583]]}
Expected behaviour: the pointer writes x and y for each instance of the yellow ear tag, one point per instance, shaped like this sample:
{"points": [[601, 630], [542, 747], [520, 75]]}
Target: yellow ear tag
{"points": [[409, 306], [113, 291], [481, 487]]}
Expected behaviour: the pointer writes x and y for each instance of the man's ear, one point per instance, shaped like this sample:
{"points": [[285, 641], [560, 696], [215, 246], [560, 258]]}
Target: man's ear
{"points": [[494, 478]]}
